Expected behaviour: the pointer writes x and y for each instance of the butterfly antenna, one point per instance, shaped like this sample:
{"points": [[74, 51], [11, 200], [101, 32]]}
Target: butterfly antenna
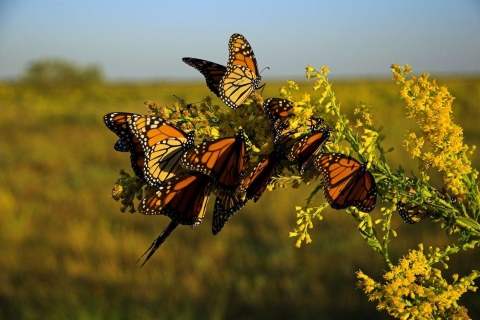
{"points": [[262, 86], [158, 242], [181, 100], [264, 69], [187, 105]]}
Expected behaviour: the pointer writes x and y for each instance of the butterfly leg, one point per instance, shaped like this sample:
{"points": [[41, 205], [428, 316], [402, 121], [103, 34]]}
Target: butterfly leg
{"points": [[158, 242]]}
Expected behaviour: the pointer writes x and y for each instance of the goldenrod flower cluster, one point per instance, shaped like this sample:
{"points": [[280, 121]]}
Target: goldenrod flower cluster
{"points": [[126, 189], [305, 216], [431, 106], [413, 289]]}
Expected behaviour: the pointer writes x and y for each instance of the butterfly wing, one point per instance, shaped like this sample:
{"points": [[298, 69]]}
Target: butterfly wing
{"points": [[225, 160], [164, 145], [120, 124], [347, 182], [227, 204], [412, 214], [306, 149], [256, 182], [242, 76], [183, 199], [285, 136], [212, 72], [277, 108]]}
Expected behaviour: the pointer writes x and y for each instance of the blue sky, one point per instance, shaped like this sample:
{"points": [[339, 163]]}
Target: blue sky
{"points": [[145, 40]]}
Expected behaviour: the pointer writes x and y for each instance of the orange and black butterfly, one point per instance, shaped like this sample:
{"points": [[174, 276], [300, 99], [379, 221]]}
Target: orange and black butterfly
{"points": [[256, 182], [412, 214], [164, 145], [227, 204], [224, 159], [120, 124], [242, 76], [347, 182], [307, 147], [277, 108], [183, 199], [285, 136], [212, 72], [301, 148]]}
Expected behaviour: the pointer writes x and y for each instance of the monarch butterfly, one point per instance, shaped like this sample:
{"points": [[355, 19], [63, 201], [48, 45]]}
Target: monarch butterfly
{"points": [[301, 149], [347, 182], [412, 214], [119, 123], [307, 147], [286, 136], [225, 160], [277, 108], [183, 199], [242, 76], [256, 182], [227, 204], [164, 145], [212, 72]]}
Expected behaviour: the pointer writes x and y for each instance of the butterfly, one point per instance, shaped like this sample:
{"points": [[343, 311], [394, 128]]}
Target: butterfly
{"points": [[242, 77], [256, 182], [412, 214], [301, 148], [164, 145], [347, 182], [307, 147], [227, 204], [212, 72], [119, 123], [277, 108], [183, 199], [285, 136], [224, 159]]}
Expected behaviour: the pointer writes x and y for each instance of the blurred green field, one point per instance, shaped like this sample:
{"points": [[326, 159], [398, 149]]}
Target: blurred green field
{"points": [[68, 253]]}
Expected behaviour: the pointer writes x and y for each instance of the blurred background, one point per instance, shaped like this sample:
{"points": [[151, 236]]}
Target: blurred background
{"points": [[67, 251]]}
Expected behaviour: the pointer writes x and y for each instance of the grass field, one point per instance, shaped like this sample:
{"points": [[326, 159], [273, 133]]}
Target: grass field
{"points": [[68, 253]]}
